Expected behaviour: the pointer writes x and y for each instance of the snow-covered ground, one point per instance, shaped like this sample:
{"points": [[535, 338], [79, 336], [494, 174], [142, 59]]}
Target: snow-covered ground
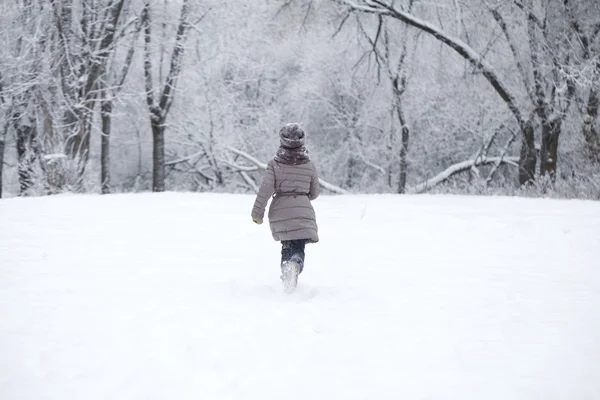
{"points": [[177, 296]]}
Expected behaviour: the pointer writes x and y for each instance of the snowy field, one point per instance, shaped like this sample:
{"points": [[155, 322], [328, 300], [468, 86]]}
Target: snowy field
{"points": [[177, 296]]}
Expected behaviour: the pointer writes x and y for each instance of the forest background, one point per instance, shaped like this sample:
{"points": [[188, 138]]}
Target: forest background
{"points": [[411, 96]]}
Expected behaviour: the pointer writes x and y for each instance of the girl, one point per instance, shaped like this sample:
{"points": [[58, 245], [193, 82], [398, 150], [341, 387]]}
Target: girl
{"points": [[291, 178]]}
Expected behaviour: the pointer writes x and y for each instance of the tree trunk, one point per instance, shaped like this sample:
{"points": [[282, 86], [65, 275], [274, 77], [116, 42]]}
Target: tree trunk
{"points": [[549, 148], [106, 111], [158, 156], [399, 85], [26, 156], [390, 149], [350, 168], [403, 159], [590, 134], [2, 145], [527, 157]]}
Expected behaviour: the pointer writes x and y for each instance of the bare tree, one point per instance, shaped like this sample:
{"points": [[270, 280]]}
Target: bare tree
{"points": [[159, 110], [83, 60], [560, 37], [110, 87], [395, 69], [24, 63], [586, 33], [26, 134], [547, 60]]}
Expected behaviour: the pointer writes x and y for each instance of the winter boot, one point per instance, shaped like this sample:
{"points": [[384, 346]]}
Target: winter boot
{"points": [[289, 276]]}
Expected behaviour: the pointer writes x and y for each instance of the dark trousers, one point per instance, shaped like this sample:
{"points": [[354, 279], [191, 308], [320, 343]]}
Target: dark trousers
{"points": [[293, 250]]}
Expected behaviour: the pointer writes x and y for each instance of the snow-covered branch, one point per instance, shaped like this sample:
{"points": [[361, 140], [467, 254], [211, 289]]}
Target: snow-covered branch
{"points": [[460, 167], [511, 44], [248, 157]]}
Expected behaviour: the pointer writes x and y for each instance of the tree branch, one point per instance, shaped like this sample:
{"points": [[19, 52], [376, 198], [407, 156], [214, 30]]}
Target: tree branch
{"points": [[339, 28], [500, 20], [100, 56], [2, 99], [373, 43], [530, 15], [306, 15], [175, 69], [129, 57], [540, 95]]}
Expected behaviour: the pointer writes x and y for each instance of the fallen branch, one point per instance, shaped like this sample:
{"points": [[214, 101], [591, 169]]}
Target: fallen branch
{"points": [[263, 166], [460, 167]]}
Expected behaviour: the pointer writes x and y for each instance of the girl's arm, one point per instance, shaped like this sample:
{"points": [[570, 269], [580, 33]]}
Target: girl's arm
{"points": [[314, 185], [267, 188]]}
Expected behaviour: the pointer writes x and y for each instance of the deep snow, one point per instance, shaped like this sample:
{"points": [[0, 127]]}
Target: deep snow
{"points": [[177, 296]]}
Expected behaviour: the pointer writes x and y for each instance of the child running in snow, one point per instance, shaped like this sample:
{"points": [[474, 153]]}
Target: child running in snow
{"points": [[291, 178]]}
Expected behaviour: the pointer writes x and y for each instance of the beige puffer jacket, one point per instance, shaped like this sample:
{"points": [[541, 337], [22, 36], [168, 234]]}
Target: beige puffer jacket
{"points": [[291, 214]]}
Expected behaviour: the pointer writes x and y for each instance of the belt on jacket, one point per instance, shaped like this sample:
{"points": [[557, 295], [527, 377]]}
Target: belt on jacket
{"points": [[288, 194]]}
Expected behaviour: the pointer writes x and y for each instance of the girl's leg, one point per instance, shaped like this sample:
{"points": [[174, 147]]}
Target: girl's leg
{"points": [[286, 251], [289, 276], [293, 250], [298, 255]]}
